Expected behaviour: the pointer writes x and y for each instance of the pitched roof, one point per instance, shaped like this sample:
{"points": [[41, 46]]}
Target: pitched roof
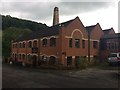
{"points": [[90, 28], [109, 36], [53, 30], [106, 31]]}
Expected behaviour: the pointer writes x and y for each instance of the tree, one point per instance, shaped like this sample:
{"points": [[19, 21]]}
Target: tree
{"points": [[9, 34]]}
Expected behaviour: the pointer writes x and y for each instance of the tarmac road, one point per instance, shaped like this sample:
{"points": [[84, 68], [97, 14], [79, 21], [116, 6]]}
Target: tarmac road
{"points": [[21, 77]]}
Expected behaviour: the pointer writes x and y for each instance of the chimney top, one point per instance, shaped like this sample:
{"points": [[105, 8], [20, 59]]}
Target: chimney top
{"points": [[56, 16]]}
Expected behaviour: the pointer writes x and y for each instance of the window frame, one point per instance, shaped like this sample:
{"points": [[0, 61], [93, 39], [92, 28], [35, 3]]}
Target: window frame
{"points": [[77, 44], [52, 43]]}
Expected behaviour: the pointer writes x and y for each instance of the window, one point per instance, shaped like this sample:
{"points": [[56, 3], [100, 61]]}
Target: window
{"points": [[95, 44], [16, 45], [70, 42], [23, 57], [13, 55], [29, 57], [83, 43], [19, 56], [44, 42], [69, 60], [23, 44], [77, 43], [30, 44], [53, 42], [20, 45], [35, 44]]}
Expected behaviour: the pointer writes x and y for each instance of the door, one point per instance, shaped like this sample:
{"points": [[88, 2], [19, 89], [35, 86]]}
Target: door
{"points": [[34, 61]]}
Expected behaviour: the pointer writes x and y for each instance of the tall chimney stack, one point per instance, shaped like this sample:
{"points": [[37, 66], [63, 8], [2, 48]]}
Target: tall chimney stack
{"points": [[55, 16]]}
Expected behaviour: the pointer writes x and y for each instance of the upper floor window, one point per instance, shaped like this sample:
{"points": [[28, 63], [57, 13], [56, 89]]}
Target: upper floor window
{"points": [[77, 43], [30, 44], [20, 45], [35, 43], [95, 44], [16, 45], [52, 42], [23, 44], [83, 43], [44, 42], [70, 42]]}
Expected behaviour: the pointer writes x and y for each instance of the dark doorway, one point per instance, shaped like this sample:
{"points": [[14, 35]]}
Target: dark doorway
{"points": [[34, 60], [69, 60], [52, 60], [77, 61]]}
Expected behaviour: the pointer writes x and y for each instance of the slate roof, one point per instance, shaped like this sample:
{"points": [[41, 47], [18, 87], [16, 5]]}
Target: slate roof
{"points": [[106, 31], [116, 35], [53, 30], [90, 28]]}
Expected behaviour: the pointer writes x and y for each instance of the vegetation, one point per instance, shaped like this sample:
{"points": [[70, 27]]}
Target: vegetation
{"points": [[14, 27], [8, 21], [81, 63], [9, 34]]}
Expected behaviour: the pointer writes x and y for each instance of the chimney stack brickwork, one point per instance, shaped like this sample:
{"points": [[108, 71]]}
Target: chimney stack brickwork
{"points": [[56, 16]]}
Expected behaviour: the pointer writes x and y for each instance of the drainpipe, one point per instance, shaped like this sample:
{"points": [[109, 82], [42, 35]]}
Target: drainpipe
{"points": [[88, 47]]}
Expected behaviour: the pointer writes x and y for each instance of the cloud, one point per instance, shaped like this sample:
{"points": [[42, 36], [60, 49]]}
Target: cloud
{"points": [[44, 10]]}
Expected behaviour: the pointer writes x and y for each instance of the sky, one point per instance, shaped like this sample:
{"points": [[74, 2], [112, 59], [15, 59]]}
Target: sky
{"points": [[90, 12]]}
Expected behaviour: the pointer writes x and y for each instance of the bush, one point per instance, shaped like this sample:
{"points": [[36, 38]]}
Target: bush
{"points": [[81, 63]]}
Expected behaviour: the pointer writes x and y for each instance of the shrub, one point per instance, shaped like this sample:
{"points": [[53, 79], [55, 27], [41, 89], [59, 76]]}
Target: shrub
{"points": [[81, 63]]}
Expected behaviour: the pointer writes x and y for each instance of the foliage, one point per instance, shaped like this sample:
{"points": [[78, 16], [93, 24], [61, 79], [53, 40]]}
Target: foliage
{"points": [[81, 63], [8, 21], [9, 34]]}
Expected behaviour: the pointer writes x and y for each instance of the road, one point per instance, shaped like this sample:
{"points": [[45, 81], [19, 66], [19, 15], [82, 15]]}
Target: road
{"points": [[21, 77]]}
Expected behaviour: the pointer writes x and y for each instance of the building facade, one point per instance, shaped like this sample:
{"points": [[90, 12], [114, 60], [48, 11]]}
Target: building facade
{"points": [[61, 44]]}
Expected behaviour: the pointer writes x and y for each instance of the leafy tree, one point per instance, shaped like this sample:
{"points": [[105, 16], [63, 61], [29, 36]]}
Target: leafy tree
{"points": [[9, 34]]}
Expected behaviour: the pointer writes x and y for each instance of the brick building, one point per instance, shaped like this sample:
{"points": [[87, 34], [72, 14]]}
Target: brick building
{"points": [[63, 43]]}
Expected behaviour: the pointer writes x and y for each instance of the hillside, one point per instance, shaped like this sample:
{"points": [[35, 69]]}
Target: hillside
{"points": [[8, 21], [14, 27]]}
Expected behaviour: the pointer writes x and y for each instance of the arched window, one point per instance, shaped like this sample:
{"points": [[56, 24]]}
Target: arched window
{"points": [[19, 56], [35, 43], [44, 42], [20, 45], [30, 44], [13, 55], [52, 42], [23, 44], [23, 57], [29, 57]]}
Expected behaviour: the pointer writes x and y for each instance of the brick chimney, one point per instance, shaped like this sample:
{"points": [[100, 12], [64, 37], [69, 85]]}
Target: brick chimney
{"points": [[56, 16]]}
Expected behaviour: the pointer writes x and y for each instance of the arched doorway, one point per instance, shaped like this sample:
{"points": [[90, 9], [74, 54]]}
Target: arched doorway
{"points": [[52, 60], [34, 60]]}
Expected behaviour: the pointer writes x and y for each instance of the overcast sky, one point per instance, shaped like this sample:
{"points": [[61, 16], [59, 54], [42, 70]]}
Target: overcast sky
{"points": [[90, 13]]}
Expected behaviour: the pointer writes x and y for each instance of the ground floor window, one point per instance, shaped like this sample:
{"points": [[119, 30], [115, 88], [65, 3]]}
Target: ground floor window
{"points": [[23, 57], [29, 57], [69, 60]]}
